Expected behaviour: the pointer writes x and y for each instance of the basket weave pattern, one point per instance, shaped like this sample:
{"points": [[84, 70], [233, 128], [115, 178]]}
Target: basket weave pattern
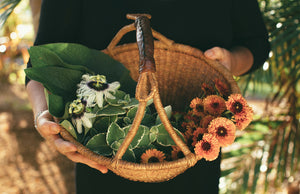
{"points": [[175, 79]]}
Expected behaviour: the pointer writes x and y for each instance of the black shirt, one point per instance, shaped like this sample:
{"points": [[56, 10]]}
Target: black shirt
{"points": [[201, 24]]}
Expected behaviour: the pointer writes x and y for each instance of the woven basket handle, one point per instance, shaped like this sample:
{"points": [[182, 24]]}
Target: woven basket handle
{"points": [[131, 27], [147, 88]]}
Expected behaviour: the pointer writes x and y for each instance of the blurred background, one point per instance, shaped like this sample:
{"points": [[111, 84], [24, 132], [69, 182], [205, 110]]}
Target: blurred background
{"points": [[265, 157]]}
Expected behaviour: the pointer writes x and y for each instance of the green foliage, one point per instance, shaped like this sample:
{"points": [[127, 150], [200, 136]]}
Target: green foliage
{"points": [[6, 8], [268, 153], [111, 135], [59, 67]]}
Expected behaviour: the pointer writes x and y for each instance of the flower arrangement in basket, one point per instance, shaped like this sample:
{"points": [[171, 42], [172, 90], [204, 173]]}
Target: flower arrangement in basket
{"points": [[138, 138]]}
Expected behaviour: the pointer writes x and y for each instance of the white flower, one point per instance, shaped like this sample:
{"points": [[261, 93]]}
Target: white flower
{"points": [[79, 116], [94, 88]]}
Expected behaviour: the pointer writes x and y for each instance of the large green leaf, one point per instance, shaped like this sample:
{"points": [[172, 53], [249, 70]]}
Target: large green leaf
{"points": [[114, 134], [141, 138], [56, 105], [163, 137], [94, 60], [102, 123], [110, 111], [57, 80], [98, 144], [41, 56]]}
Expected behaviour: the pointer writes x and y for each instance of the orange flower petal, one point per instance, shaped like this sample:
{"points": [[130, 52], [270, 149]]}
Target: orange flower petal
{"points": [[223, 129], [214, 105], [208, 147], [152, 156]]}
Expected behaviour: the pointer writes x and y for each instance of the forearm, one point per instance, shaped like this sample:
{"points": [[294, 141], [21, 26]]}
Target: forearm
{"points": [[242, 60], [36, 97]]}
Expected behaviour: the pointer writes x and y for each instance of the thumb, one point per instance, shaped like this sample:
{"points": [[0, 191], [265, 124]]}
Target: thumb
{"points": [[215, 53]]}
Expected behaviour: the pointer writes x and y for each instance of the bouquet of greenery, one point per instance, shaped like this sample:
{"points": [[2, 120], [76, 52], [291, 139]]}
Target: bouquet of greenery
{"points": [[94, 111]]}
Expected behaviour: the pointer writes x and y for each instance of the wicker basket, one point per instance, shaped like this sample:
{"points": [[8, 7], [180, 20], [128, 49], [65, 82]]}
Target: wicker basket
{"points": [[174, 78]]}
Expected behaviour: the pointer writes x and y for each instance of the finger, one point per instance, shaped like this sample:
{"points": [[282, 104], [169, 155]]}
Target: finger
{"points": [[47, 128], [215, 53], [63, 146], [70, 150], [78, 158]]}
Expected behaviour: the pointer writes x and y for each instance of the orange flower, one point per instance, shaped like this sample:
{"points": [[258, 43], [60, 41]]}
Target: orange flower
{"points": [[243, 114], [197, 106], [222, 88], [223, 129], [152, 156], [208, 147], [237, 105], [214, 105], [207, 89], [190, 128], [176, 153], [206, 120], [198, 134], [243, 122], [196, 103]]}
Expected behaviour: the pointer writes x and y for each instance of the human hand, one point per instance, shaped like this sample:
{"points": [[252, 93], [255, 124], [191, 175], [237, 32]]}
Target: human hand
{"points": [[50, 131], [222, 55], [237, 60]]}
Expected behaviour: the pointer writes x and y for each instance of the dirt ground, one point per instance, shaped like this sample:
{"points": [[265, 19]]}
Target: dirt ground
{"points": [[28, 163]]}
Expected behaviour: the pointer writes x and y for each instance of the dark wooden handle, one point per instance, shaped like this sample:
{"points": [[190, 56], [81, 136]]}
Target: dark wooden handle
{"points": [[145, 43]]}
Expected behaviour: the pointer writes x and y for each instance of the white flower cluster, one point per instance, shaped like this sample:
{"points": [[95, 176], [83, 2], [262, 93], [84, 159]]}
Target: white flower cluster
{"points": [[91, 92]]}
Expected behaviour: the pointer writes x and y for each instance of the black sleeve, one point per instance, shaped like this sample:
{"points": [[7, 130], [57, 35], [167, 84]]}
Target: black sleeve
{"points": [[249, 30], [59, 22]]}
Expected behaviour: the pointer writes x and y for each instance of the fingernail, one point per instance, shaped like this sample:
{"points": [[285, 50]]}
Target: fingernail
{"points": [[104, 171], [55, 129], [209, 53]]}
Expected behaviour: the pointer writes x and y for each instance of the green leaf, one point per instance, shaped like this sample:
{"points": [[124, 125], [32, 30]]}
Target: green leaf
{"points": [[98, 145], [116, 144], [129, 156], [56, 105], [153, 133], [132, 103], [228, 171], [102, 123], [127, 120], [57, 80], [163, 137], [114, 133], [69, 127], [94, 60], [148, 119], [168, 110], [141, 138], [110, 111], [121, 98], [132, 112]]}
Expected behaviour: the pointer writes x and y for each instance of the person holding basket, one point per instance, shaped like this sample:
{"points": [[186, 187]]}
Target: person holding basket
{"points": [[230, 32]]}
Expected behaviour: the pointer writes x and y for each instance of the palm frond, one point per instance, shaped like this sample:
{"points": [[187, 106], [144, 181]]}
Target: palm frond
{"points": [[269, 159], [6, 8]]}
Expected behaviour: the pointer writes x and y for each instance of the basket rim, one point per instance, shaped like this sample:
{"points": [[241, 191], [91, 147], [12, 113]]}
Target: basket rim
{"points": [[186, 49]]}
